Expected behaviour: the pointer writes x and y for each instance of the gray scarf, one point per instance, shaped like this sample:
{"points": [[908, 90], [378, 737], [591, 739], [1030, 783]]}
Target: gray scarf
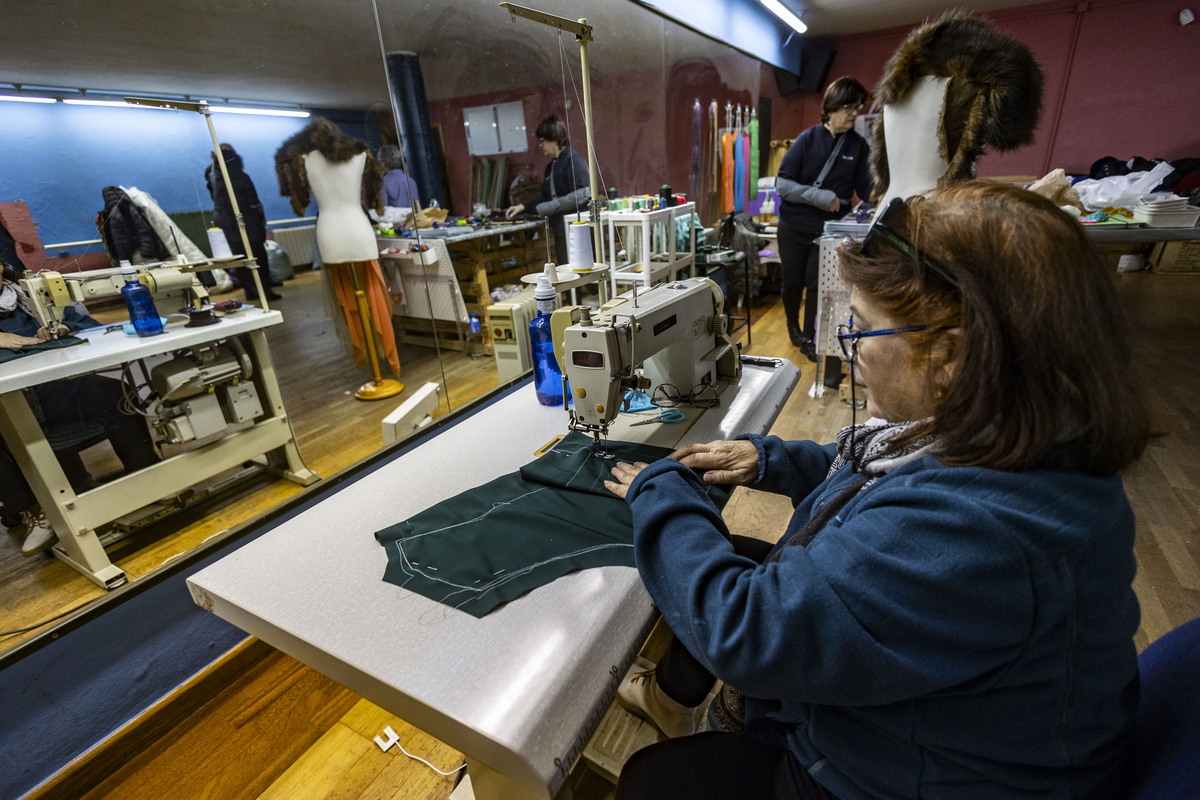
{"points": [[868, 447], [12, 298]]}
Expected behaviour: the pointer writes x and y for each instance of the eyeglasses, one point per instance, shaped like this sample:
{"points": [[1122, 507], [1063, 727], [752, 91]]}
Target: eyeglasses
{"points": [[848, 337], [852, 108], [667, 395], [884, 230]]}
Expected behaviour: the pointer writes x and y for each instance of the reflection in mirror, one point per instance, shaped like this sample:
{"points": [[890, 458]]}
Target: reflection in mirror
{"points": [[413, 82]]}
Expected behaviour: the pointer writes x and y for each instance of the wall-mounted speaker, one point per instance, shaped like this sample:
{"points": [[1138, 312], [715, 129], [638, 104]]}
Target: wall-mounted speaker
{"points": [[786, 82], [815, 67]]}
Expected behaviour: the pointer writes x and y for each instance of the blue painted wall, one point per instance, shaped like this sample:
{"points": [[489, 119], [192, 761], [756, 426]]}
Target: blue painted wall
{"points": [[58, 157]]}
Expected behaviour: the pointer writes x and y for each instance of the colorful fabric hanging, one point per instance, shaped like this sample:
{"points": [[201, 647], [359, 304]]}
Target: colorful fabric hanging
{"points": [[754, 165], [379, 305], [697, 125], [739, 174], [727, 162]]}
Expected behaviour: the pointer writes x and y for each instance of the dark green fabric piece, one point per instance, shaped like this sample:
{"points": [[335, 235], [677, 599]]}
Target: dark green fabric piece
{"points": [[7, 354], [493, 543]]}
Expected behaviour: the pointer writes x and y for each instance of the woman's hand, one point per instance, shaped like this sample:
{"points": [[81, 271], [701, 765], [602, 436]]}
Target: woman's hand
{"points": [[512, 211], [624, 474], [11, 341], [43, 335], [730, 463]]}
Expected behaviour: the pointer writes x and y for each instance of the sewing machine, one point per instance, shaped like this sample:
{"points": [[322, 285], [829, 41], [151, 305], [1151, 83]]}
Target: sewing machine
{"points": [[51, 293], [674, 333]]}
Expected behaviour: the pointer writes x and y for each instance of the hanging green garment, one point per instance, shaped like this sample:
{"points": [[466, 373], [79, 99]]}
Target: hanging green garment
{"points": [[493, 543], [754, 158]]}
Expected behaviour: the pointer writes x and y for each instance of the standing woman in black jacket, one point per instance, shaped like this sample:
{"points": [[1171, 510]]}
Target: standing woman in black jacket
{"points": [[253, 216], [566, 188], [820, 173]]}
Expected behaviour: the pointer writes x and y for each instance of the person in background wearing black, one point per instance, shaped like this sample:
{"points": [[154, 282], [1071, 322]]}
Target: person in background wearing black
{"points": [[567, 186], [826, 165], [253, 216]]}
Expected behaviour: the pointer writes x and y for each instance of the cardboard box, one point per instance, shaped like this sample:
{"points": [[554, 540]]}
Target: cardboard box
{"points": [[1176, 258]]}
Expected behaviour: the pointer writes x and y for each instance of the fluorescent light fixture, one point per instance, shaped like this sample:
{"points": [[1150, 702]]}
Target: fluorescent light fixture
{"points": [[20, 98], [74, 101], [266, 112], [779, 10]]}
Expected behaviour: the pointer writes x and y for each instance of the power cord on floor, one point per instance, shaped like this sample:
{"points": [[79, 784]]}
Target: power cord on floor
{"points": [[393, 739], [44, 622]]}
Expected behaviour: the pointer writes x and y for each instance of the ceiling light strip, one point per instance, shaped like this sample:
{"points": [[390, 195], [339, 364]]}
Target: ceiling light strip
{"points": [[779, 10], [21, 98], [86, 101]]}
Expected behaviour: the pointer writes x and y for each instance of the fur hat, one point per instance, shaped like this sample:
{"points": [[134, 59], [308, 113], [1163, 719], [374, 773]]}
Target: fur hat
{"points": [[327, 139], [993, 96]]}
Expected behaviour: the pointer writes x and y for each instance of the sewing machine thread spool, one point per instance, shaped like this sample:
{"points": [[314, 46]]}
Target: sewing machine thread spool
{"points": [[579, 246], [218, 244]]}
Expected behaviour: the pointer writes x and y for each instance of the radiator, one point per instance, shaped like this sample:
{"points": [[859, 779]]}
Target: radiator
{"points": [[300, 242]]}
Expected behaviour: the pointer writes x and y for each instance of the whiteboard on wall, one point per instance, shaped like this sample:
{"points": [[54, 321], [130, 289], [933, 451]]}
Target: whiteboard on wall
{"points": [[496, 129]]}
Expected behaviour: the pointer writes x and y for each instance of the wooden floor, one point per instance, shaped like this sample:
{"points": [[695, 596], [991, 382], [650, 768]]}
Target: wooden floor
{"points": [[333, 430], [285, 731]]}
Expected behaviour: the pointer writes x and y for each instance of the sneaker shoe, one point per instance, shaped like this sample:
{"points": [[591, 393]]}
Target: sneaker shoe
{"points": [[41, 536], [640, 695]]}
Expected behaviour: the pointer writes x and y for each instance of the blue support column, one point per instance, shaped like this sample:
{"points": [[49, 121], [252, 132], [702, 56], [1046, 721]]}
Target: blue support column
{"points": [[407, 87]]}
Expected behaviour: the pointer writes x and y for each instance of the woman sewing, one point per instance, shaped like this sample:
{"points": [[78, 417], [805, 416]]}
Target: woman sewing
{"points": [[949, 612], [86, 398]]}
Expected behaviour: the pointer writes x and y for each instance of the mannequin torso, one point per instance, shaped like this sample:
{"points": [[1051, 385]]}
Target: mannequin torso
{"points": [[344, 231]]}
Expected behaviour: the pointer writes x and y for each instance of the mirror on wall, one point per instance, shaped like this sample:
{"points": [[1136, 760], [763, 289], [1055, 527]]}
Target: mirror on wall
{"points": [[647, 74]]}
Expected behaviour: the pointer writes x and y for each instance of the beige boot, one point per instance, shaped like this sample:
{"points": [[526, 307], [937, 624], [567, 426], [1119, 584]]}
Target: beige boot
{"points": [[41, 536], [640, 695]]}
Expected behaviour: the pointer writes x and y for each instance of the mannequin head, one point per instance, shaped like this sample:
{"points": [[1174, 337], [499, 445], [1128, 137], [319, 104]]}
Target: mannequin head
{"points": [[990, 94]]}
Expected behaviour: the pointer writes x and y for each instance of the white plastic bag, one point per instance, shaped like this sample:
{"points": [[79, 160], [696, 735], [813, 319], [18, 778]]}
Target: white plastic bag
{"points": [[1121, 191]]}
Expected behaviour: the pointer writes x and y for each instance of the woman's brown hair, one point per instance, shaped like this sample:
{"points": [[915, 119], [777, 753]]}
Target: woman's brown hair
{"points": [[1033, 334], [845, 91]]}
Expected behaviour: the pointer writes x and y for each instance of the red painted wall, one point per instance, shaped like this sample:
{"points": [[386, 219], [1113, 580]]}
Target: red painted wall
{"points": [[1121, 80]]}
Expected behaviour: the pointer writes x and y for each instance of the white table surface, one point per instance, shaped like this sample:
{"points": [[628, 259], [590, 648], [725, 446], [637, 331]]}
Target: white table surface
{"points": [[105, 350], [520, 690]]}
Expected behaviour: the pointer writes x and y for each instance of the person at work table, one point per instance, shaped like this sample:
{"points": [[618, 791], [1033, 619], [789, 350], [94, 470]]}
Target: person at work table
{"points": [[90, 398], [949, 613]]}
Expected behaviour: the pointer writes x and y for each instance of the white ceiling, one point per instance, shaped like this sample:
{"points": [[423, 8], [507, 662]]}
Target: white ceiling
{"points": [[326, 53]]}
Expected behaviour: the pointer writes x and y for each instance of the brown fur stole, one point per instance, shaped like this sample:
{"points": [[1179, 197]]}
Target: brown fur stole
{"points": [[993, 97], [327, 139]]}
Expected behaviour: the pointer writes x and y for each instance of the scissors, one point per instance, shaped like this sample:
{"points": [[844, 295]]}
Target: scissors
{"points": [[667, 415]]}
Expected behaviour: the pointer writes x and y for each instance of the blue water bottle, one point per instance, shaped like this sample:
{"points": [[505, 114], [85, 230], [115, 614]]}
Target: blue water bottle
{"points": [[547, 377], [474, 338], [140, 303]]}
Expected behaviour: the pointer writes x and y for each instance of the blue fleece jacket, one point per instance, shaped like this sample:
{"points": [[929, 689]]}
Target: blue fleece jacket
{"points": [[953, 632]]}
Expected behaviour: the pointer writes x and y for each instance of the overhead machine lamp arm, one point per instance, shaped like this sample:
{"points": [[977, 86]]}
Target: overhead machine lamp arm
{"points": [[201, 107], [583, 32]]}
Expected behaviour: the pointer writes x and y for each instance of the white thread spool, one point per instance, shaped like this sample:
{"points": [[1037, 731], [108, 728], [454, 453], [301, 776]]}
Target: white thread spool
{"points": [[579, 246], [216, 241]]}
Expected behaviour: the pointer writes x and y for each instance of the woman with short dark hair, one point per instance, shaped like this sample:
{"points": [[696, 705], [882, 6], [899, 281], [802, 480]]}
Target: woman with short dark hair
{"points": [[820, 173], [567, 185], [950, 612]]}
